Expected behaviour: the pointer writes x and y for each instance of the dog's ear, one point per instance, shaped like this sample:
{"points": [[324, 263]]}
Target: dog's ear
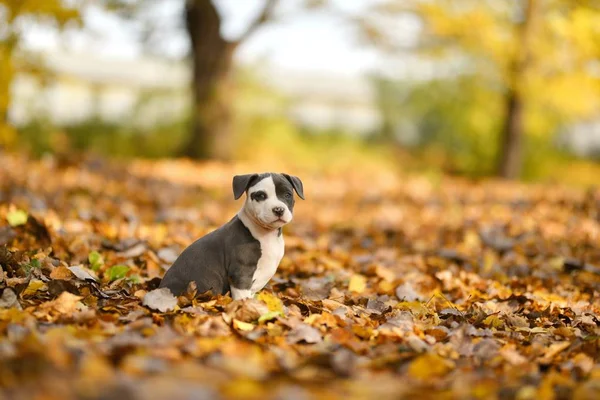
{"points": [[296, 183], [241, 184]]}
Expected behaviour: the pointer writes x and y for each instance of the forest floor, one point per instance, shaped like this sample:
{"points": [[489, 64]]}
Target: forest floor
{"points": [[392, 286]]}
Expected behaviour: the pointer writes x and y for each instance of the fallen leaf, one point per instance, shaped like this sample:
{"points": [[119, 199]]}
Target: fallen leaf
{"points": [[243, 326], [428, 366], [117, 272], [406, 292], [552, 351], [248, 310], [168, 255], [511, 355], [493, 321], [160, 299], [304, 333], [273, 302], [358, 283], [82, 273], [583, 362], [316, 288], [268, 316], [33, 286], [61, 273], [16, 217], [9, 299], [96, 260], [66, 303]]}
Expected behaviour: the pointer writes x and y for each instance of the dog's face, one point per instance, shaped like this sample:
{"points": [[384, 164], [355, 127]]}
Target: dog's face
{"points": [[270, 197]]}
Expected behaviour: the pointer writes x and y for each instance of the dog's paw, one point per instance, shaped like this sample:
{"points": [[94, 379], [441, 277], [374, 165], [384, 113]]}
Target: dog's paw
{"points": [[240, 294]]}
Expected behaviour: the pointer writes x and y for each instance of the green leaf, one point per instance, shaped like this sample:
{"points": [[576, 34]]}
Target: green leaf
{"points": [[16, 217], [135, 279], [96, 260], [117, 272], [33, 264]]}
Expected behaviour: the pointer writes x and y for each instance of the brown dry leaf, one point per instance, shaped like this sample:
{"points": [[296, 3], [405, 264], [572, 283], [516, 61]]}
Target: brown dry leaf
{"points": [[9, 299], [304, 333], [510, 354], [583, 362], [552, 351], [249, 310], [66, 303], [61, 273]]}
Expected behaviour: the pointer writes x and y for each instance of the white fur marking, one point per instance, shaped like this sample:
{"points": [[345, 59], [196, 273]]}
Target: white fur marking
{"points": [[240, 294], [272, 246]]}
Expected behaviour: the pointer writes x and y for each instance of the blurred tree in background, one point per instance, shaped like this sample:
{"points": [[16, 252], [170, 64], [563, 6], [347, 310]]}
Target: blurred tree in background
{"points": [[211, 56], [15, 17], [540, 57], [212, 60]]}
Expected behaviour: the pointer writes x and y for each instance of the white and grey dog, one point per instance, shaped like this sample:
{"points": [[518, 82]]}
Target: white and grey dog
{"points": [[241, 256]]}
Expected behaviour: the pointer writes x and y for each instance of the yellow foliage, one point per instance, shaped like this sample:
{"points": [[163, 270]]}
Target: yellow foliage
{"points": [[12, 14], [559, 54]]}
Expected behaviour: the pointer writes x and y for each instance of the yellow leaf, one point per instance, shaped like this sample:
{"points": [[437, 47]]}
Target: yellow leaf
{"points": [[273, 302], [311, 319], [416, 307], [33, 286], [242, 326], [493, 321], [429, 366], [358, 283]]}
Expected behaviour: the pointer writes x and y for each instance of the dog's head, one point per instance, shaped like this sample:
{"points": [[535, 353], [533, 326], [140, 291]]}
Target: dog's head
{"points": [[270, 197]]}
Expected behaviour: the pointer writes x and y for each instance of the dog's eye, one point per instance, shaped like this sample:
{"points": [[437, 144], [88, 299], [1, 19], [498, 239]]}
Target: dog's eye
{"points": [[288, 195], [258, 196]]}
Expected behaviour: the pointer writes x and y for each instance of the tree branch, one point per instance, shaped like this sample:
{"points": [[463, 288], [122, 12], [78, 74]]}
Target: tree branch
{"points": [[264, 16]]}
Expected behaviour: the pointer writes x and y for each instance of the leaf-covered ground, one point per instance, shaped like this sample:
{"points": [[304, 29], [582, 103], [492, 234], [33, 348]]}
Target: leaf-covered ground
{"points": [[392, 286]]}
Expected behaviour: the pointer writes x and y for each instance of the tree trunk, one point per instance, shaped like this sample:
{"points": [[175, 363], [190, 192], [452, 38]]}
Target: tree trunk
{"points": [[511, 136], [7, 133], [212, 63]]}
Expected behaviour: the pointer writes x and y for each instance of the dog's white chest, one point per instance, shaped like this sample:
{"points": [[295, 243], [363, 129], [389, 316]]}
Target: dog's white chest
{"points": [[272, 248]]}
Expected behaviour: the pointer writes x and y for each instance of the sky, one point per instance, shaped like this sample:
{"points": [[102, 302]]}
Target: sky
{"points": [[317, 41]]}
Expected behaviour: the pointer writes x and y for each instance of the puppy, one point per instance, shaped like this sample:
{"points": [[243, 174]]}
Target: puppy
{"points": [[241, 256]]}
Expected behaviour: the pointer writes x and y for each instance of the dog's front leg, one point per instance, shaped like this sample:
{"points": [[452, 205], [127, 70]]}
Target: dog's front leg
{"points": [[240, 294], [240, 282]]}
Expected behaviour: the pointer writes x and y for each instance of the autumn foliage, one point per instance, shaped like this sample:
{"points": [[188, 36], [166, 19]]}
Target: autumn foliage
{"points": [[392, 286]]}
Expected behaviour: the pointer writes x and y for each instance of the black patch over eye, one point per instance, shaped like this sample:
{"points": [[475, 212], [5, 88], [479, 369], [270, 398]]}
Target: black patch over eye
{"points": [[258, 196]]}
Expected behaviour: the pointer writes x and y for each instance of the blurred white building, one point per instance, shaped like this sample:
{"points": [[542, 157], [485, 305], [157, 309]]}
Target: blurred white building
{"points": [[83, 86]]}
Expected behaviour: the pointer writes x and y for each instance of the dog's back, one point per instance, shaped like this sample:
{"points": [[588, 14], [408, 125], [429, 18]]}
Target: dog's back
{"points": [[207, 260]]}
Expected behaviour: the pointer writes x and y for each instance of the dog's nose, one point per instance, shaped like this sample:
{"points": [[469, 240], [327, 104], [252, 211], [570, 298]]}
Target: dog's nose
{"points": [[278, 211]]}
